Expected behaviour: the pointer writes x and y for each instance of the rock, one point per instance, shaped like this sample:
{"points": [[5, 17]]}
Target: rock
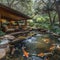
{"points": [[9, 37], [2, 53], [59, 39]]}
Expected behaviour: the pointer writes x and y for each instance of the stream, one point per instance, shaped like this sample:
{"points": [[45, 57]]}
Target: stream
{"points": [[39, 43]]}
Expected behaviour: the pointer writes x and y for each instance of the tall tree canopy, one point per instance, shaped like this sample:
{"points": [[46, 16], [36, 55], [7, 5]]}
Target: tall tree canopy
{"points": [[24, 6]]}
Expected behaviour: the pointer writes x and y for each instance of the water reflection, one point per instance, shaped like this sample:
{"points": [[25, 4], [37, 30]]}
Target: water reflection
{"points": [[37, 44], [39, 35]]}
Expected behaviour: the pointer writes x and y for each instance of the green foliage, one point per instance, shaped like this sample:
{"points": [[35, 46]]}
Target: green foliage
{"points": [[43, 12], [31, 24], [40, 19], [2, 33]]}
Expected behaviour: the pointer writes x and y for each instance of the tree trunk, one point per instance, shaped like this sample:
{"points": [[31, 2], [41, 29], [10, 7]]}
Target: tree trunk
{"points": [[58, 10], [50, 18], [10, 5]]}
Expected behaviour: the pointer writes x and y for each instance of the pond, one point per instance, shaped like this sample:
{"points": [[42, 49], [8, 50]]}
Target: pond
{"points": [[38, 47]]}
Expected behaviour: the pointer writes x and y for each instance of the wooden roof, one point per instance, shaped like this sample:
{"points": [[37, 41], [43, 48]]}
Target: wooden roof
{"points": [[11, 14]]}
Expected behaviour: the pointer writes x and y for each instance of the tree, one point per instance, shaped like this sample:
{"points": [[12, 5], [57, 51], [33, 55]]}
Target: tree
{"points": [[24, 6], [46, 7], [57, 4]]}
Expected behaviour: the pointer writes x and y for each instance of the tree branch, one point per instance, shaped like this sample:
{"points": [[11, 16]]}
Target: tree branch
{"points": [[44, 2], [16, 3], [8, 2], [11, 3], [54, 18]]}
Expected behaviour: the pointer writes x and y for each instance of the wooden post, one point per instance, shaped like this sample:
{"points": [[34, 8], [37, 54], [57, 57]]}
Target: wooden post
{"points": [[25, 23], [0, 22]]}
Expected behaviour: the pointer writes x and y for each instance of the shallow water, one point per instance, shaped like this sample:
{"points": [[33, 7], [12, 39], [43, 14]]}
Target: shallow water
{"points": [[34, 45]]}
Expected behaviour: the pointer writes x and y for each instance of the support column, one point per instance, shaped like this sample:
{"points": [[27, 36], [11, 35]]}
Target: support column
{"points": [[0, 21], [25, 23]]}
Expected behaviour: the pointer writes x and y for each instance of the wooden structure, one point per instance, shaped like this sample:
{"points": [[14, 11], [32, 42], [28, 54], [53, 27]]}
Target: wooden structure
{"points": [[9, 14]]}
